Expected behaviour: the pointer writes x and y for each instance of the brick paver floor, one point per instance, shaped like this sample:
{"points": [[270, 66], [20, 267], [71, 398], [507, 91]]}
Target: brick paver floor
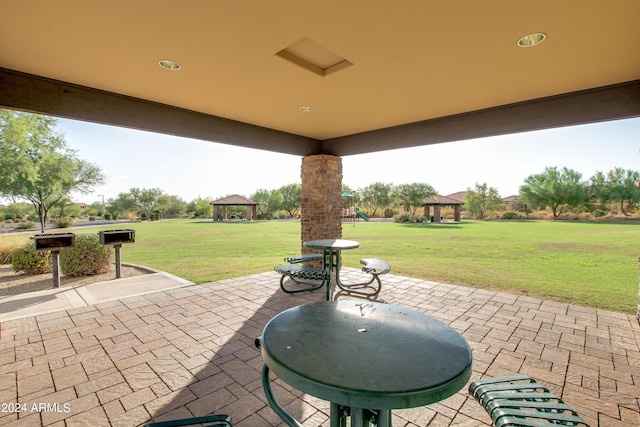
{"points": [[190, 351]]}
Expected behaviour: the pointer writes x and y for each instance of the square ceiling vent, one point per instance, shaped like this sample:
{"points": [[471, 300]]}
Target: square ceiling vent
{"points": [[315, 58]]}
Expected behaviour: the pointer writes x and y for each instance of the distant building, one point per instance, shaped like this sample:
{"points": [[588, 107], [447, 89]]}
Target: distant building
{"points": [[459, 196]]}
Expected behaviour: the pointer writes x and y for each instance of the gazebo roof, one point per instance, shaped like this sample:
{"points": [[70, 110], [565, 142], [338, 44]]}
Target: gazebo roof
{"points": [[441, 200], [235, 200]]}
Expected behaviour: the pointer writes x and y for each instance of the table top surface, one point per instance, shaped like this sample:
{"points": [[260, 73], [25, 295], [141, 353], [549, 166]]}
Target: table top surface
{"points": [[337, 244], [366, 354]]}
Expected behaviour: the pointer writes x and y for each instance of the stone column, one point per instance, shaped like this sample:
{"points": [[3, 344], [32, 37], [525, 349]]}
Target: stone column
{"points": [[321, 207], [436, 213]]}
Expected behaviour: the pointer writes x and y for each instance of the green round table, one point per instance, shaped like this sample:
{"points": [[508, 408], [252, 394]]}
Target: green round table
{"points": [[366, 358]]}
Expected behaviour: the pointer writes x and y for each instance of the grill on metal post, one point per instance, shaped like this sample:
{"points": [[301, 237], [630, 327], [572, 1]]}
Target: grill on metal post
{"points": [[116, 238], [54, 242]]}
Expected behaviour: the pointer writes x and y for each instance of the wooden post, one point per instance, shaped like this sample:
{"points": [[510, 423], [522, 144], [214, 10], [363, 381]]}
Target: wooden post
{"points": [[55, 267], [118, 263]]}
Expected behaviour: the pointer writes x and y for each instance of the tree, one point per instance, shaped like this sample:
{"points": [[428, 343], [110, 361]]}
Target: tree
{"points": [[176, 207], [66, 207], [598, 194], [200, 207], [482, 200], [17, 211], [163, 204], [623, 188], [269, 201], [376, 196], [291, 198], [558, 189], [413, 195], [143, 200], [37, 165]]}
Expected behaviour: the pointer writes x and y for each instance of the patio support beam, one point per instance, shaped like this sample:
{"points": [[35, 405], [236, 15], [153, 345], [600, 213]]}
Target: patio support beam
{"points": [[620, 101], [35, 94], [41, 95]]}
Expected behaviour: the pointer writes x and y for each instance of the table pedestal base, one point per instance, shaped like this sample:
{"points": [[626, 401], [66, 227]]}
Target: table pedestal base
{"points": [[359, 417]]}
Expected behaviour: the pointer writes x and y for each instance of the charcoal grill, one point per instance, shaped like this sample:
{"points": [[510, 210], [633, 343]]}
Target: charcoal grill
{"points": [[54, 242], [116, 238]]}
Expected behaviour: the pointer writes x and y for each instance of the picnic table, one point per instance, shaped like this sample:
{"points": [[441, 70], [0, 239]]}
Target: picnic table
{"points": [[366, 358]]}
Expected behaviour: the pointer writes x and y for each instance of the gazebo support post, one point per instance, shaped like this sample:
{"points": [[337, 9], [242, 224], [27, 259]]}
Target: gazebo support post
{"points": [[436, 213]]}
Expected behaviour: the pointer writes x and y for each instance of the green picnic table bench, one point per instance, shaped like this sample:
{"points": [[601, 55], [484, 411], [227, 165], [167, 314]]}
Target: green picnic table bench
{"points": [[309, 278], [520, 401]]}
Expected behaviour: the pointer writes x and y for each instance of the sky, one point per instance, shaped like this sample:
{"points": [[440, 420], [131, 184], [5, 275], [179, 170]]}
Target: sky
{"points": [[191, 168]]}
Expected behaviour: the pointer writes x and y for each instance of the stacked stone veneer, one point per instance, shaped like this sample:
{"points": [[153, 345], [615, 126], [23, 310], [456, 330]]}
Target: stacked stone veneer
{"points": [[321, 207]]}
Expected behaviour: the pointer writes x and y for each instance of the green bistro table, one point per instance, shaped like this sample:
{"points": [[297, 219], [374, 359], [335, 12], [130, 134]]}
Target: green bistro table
{"points": [[366, 358], [332, 249]]}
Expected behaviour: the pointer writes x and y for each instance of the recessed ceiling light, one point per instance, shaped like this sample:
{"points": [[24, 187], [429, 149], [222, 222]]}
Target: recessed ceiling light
{"points": [[169, 64], [532, 39], [306, 109]]}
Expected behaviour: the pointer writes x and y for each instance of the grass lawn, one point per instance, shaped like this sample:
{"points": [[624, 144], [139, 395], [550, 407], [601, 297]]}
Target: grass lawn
{"points": [[592, 264]]}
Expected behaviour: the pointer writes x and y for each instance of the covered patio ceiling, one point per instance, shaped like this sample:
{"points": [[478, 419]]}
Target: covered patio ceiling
{"points": [[332, 77]]}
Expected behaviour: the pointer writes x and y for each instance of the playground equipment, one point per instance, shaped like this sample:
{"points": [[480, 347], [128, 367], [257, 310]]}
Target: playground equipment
{"points": [[349, 212], [361, 215]]}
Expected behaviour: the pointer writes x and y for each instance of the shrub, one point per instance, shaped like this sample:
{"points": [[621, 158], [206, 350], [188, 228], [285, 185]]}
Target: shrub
{"points": [[86, 258], [64, 222], [27, 260], [403, 217], [107, 216], [115, 216], [26, 225], [510, 215], [422, 219], [92, 218]]}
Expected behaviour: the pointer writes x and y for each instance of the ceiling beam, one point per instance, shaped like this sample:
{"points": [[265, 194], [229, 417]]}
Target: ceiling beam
{"points": [[41, 95], [37, 94], [615, 102]]}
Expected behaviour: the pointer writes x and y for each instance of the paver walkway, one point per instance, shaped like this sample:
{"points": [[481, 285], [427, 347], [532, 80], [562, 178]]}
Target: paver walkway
{"points": [[190, 351]]}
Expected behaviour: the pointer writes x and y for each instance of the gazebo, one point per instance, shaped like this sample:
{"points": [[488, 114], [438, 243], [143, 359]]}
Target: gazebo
{"points": [[233, 200], [438, 202]]}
